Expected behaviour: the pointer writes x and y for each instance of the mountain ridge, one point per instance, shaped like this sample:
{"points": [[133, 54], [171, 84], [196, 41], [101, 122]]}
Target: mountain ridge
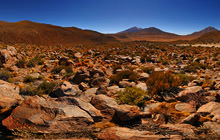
{"points": [[29, 32]]}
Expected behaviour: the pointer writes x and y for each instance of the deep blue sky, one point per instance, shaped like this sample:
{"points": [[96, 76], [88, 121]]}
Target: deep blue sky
{"points": [[109, 16]]}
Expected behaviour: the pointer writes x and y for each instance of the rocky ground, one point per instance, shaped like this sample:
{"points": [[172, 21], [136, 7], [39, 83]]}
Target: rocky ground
{"points": [[133, 91]]}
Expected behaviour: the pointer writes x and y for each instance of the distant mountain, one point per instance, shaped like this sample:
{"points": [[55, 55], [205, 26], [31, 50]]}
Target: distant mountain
{"points": [[150, 34], [44, 34], [131, 30], [155, 34], [28, 32], [204, 31], [210, 37]]}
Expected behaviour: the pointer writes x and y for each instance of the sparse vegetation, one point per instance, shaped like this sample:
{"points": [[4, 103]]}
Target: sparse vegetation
{"points": [[160, 82], [28, 79], [185, 79], [125, 74], [132, 96], [35, 61], [193, 67], [43, 88], [5, 75], [57, 69], [21, 63]]}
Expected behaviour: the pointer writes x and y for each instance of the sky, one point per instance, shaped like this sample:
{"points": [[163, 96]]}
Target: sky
{"points": [[110, 16]]}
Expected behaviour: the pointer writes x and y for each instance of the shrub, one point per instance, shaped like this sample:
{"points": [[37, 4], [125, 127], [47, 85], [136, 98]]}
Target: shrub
{"points": [[28, 79], [126, 74], [21, 63], [57, 69], [193, 67], [45, 88], [132, 96], [160, 82], [5, 75], [35, 61], [31, 63], [185, 79], [29, 90], [69, 72]]}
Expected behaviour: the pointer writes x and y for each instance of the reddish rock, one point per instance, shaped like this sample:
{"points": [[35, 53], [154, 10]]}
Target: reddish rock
{"points": [[185, 107], [48, 116], [189, 90], [9, 95], [122, 133], [209, 107], [111, 110], [186, 129]]}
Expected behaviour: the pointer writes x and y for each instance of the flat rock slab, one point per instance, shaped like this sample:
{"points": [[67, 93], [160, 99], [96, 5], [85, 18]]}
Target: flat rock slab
{"points": [[48, 116], [122, 133]]}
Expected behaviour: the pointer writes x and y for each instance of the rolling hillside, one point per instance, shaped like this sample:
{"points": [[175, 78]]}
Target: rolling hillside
{"points": [[44, 34], [154, 34]]}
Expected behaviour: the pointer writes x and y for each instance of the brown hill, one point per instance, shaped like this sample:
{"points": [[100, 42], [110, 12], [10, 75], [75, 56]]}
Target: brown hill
{"points": [[154, 34], [44, 34], [211, 37], [149, 34]]}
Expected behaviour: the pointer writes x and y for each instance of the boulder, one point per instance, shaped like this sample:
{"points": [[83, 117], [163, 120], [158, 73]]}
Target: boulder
{"points": [[122, 133], [111, 110], [66, 89], [100, 81], [149, 108], [112, 90], [88, 94], [48, 116], [87, 107], [213, 126], [125, 83], [142, 86], [35, 75], [144, 76], [8, 57], [185, 107], [9, 95], [186, 129], [209, 107], [189, 90], [81, 76]]}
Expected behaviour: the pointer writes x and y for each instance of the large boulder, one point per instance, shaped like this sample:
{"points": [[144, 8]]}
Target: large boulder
{"points": [[190, 90], [88, 94], [81, 76], [100, 81], [82, 104], [185, 107], [66, 89], [8, 57], [111, 110], [48, 116], [213, 126], [9, 95], [209, 107], [122, 133], [213, 108], [186, 129]]}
